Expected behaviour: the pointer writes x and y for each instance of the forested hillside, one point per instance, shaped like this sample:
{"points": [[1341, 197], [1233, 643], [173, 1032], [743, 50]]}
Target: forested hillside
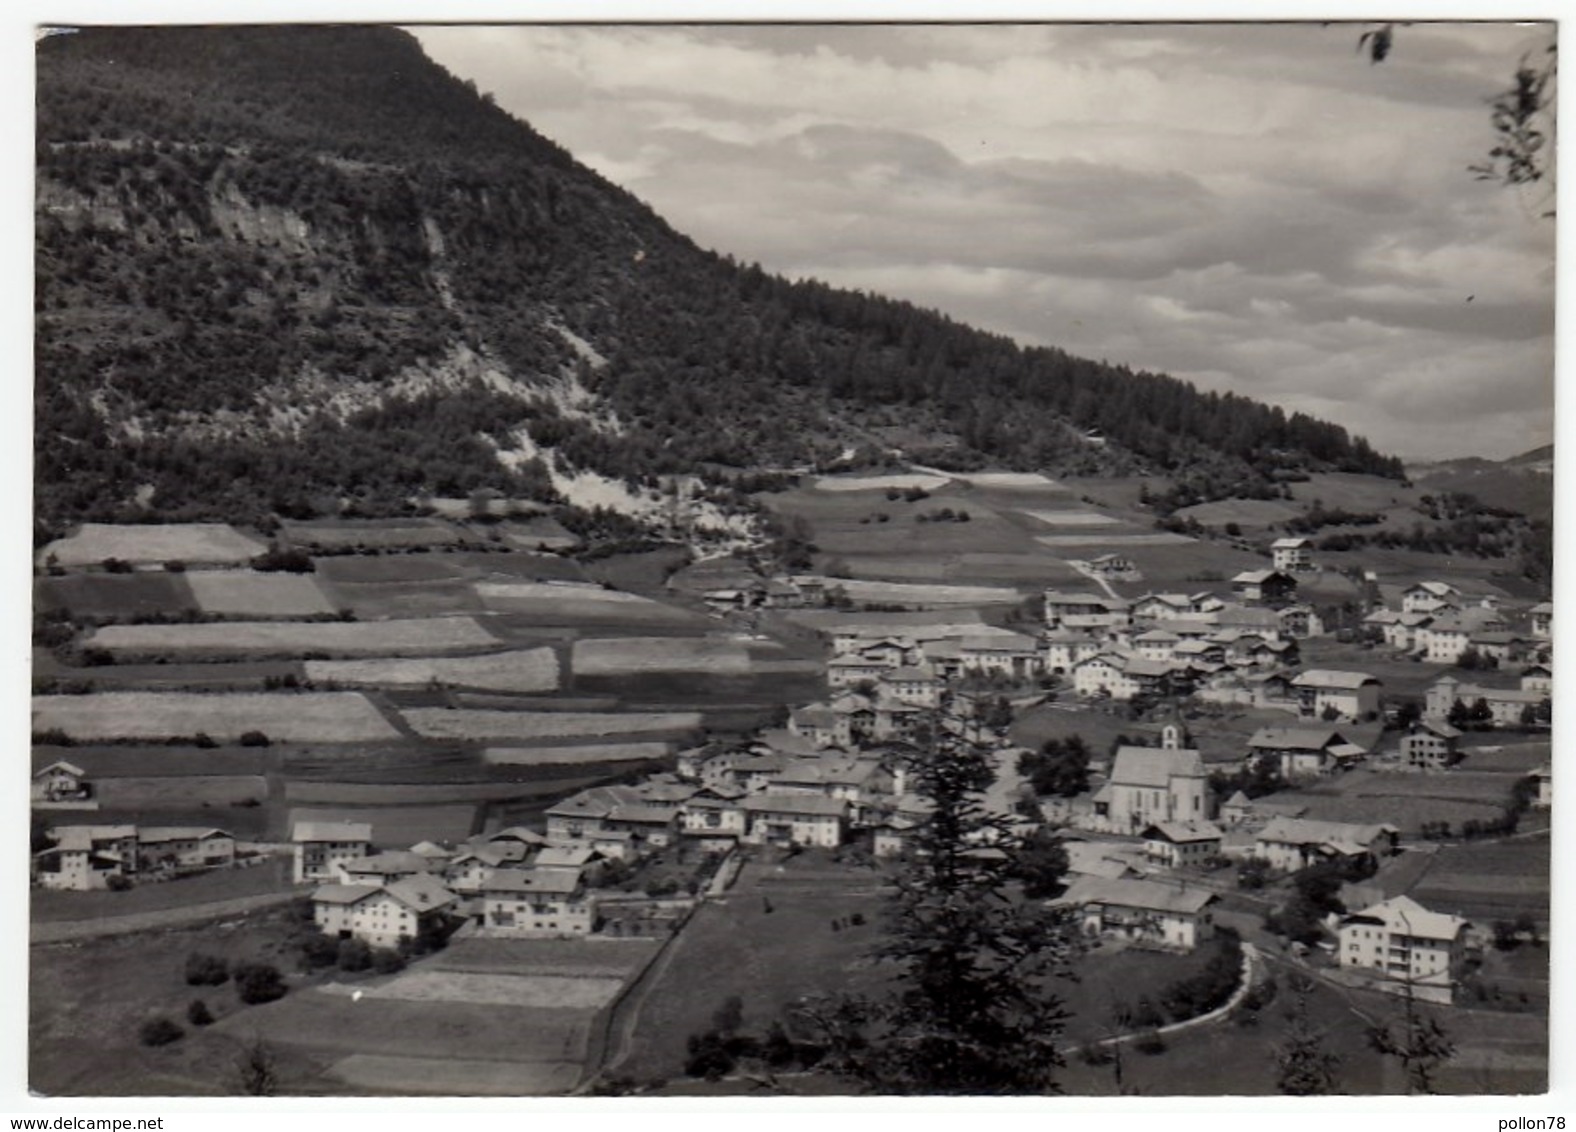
{"points": [[283, 270]]}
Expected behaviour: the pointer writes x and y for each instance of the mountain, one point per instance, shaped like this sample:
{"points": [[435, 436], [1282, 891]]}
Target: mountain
{"points": [[288, 271], [1524, 483]]}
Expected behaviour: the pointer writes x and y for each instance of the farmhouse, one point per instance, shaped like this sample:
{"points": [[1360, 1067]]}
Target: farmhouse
{"points": [[1401, 630], [1156, 644], [1429, 745], [1543, 776], [322, 846], [1292, 555], [381, 915], [713, 815], [1541, 618], [1179, 844], [60, 781], [183, 847], [87, 856], [1430, 597], [466, 870], [1264, 587], [1169, 606], [1450, 634], [1083, 610], [1122, 677], [1154, 784], [1143, 911], [1537, 678], [1500, 646], [385, 868], [1301, 752], [1290, 844], [821, 725], [1300, 621], [1014, 655], [917, 684], [1405, 942], [536, 903], [1324, 693], [853, 669], [783, 819], [1063, 648], [1505, 705], [1111, 565]]}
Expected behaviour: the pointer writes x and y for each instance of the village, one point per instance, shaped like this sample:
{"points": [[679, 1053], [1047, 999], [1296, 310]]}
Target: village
{"points": [[1304, 764]]}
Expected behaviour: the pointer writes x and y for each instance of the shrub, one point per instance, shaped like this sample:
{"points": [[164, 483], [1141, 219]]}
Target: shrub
{"points": [[117, 566], [118, 883], [1150, 1042], [258, 982], [319, 950], [159, 1032], [198, 1014], [175, 566], [354, 955], [204, 740], [206, 970], [253, 739], [386, 960]]}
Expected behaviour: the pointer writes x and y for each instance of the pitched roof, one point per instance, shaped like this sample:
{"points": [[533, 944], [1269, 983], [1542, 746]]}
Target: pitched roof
{"points": [[391, 861], [1334, 679], [422, 892], [564, 857], [1182, 832], [344, 893], [60, 764], [1295, 738], [1238, 799], [147, 833], [809, 805], [1148, 895], [557, 882], [1306, 831], [1289, 544], [331, 831], [1154, 766], [1405, 916]]}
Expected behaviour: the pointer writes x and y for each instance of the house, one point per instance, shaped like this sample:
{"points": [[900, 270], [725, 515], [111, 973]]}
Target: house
{"points": [[537, 903], [1404, 942], [1506, 706], [913, 684], [714, 815], [1401, 630], [1083, 610], [1430, 597], [1292, 555], [1170, 606], [322, 846], [1011, 655], [1300, 621], [60, 781], [1122, 677], [1111, 566], [1326, 693], [381, 915], [821, 726], [1240, 810], [1264, 587], [385, 868], [1541, 619], [1156, 644], [1154, 784], [1450, 634], [86, 856], [1290, 844], [1302, 752], [858, 781], [466, 870], [1429, 745], [795, 819], [1063, 648], [1537, 678], [1544, 777], [1500, 647], [184, 847], [1198, 652], [853, 669], [1143, 911], [1179, 844]]}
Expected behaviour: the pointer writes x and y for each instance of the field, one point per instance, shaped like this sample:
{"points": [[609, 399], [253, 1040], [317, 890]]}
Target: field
{"points": [[389, 568], [529, 670], [273, 875], [396, 827], [240, 676], [586, 753], [1246, 513], [578, 606], [611, 656], [167, 791], [248, 593], [161, 761], [413, 637], [900, 482], [402, 794], [116, 595], [307, 717], [442, 723], [190, 543], [902, 594], [1488, 882], [383, 534], [394, 601], [1072, 518]]}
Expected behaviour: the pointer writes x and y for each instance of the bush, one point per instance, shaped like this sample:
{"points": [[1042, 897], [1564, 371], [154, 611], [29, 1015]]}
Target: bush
{"points": [[258, 983], [204, 740], [319, 950], [1150, 1042], [254, 739], [198, 1014], [175, 566], [117, 566], [159, 1032], [386, 960], [354, 955], [118, 883], [206, 970]]}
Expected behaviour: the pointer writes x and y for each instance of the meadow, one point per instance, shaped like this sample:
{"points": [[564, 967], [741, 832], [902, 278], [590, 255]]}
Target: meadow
{"points": [[306, 717], [612, 656], [407, 637], [495, 726], [527, 670], [144, 544], [249, 593]]}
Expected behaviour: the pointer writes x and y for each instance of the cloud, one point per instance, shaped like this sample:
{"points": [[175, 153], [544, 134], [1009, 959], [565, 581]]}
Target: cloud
{"points": [[1252, 207]]}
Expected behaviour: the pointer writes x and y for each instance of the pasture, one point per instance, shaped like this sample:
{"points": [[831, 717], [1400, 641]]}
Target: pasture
{"points": [[381, 534], [578, 754], [396, 601], [173, 791], [900, 481], [1490, 881], [527, 670], [410, 637], [581, 606], [1246, 513], [249, 593], [612, 656], [116, 595], [151, 544], [901, 593], [503, 726], [1073, 518], [314, 792], [356, 568], [306, 717]]}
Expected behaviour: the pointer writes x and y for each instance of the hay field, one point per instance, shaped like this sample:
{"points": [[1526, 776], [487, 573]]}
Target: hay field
{"points": [[386, 534], [1243, 512], [522, 670], [1073, 518], [939, 622], [408, 637], [1148, 538], [449, 1076], [901, 481], [547, 604], [306, 717], [168, 791], [552, 992], [1009, 481], [390, 568], [116, 595], [446, 724], [243, 593], [919, 594], [155, 543], [613, 656], [313, 792], [588, 753], [399, 601]]}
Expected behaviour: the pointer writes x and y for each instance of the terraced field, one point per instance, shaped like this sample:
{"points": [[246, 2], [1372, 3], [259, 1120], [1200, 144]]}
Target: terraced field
{"points": [[307, 717], [407, 637], [525, 670]]}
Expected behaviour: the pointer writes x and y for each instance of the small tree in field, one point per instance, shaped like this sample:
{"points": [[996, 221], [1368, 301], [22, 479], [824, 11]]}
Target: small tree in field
{"points": [[1305, 1068]]}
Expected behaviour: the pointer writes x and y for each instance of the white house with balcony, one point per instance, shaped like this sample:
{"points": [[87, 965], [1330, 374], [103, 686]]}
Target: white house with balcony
{"points": [[1406, 944]]}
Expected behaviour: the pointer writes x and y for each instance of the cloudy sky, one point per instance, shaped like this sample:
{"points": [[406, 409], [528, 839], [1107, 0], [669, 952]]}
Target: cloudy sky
{"points": [[1251, 207]]}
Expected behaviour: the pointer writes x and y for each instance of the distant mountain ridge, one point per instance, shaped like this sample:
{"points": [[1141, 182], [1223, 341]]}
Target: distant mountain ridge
{"points": [[1523, 483], [283, 268]]}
